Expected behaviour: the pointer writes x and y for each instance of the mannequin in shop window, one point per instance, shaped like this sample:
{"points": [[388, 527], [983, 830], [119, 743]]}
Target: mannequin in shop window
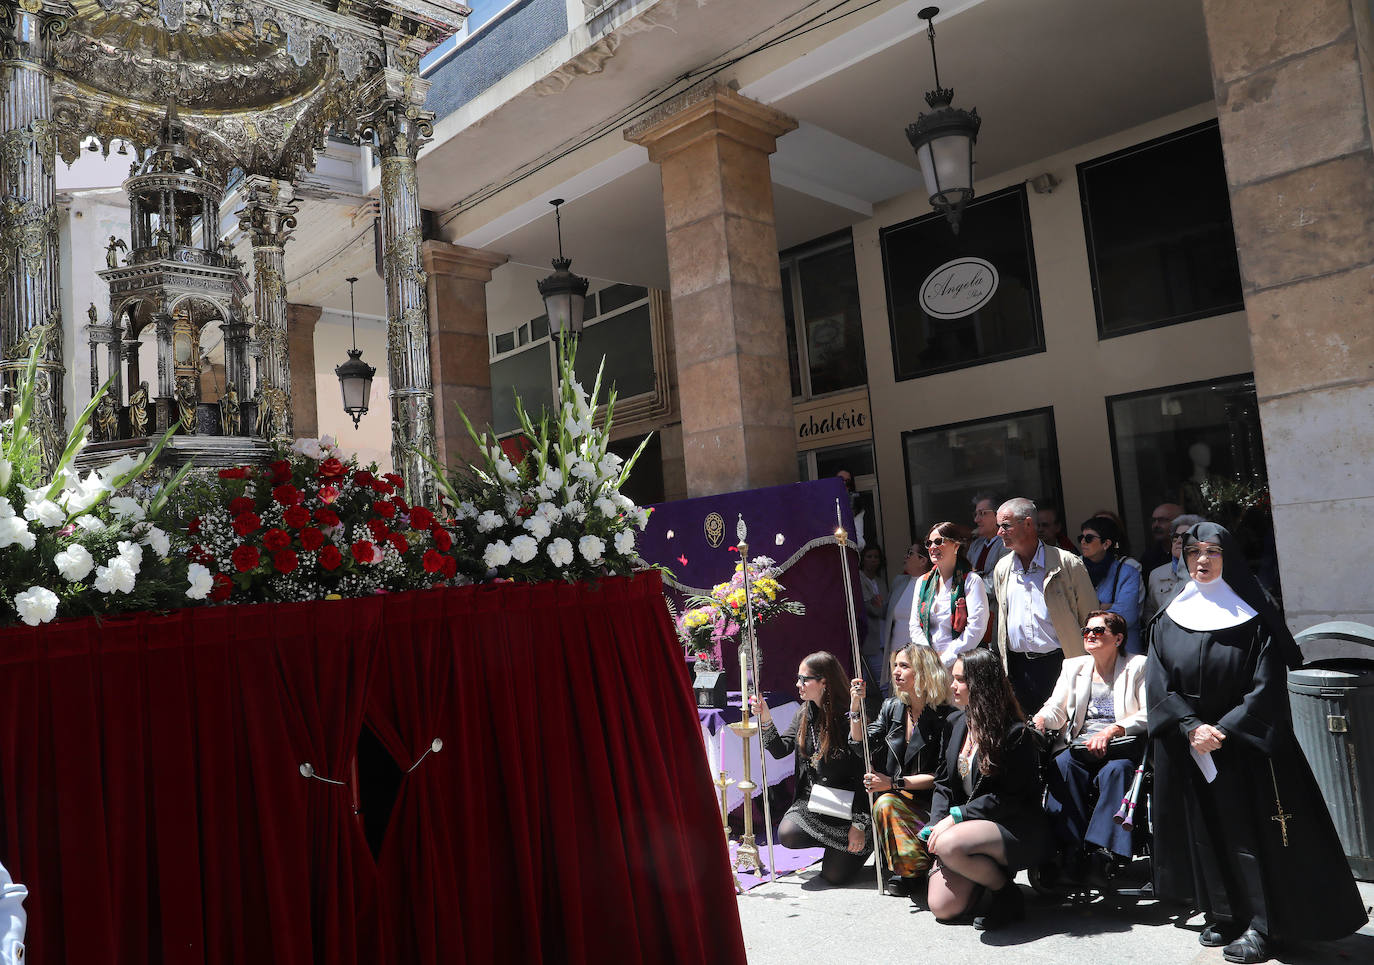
{"points": [[1190, 493], [861, 504]]}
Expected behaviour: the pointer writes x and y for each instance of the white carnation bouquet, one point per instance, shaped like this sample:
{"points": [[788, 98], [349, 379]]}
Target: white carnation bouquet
{"points": [[558, 512]]}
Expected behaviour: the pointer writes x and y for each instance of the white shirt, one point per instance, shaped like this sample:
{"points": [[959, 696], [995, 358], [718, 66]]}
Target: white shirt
{"points": [[946, 643], [1029, 628], [902, 606]]}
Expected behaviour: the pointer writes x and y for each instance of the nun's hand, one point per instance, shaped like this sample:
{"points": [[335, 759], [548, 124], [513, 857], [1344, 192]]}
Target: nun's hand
{"points": [[1205, 738]]}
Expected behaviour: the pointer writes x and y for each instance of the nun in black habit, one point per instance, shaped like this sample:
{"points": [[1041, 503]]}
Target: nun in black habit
{"points": [[1241, 830]]}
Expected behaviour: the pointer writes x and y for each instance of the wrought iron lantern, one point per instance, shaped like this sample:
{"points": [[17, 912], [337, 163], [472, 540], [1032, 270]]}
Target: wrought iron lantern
{"points": [[355, 375], [943, 141], [564, 293]]}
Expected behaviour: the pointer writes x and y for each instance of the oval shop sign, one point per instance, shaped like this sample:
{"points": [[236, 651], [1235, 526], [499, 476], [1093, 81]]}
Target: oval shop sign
{"points": [[958, 288]]}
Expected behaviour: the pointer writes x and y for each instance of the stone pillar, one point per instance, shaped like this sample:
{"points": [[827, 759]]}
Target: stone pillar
{"points": [[459, 350], [399, 127], [300, 326], [1294, 84], [269, 217], [712, 147], [29, 282]]}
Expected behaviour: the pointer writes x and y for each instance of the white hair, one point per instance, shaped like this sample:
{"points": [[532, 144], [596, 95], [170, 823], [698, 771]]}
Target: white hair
{"points": [[1020, 508]]}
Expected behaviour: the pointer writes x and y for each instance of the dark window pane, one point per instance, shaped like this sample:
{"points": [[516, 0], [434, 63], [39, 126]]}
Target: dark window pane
{"points": [[589, 307], [539, 327], [505, 342], [1160, 256], [524, 334], [995, 229], [531, 375], [626, 342], [645, 485], [834, 326], [857, 459], [618, 296], [790, 318]]}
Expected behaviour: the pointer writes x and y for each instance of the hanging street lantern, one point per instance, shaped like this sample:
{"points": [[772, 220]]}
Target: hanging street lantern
{"points": [[355, 375], [564, 293], [943, 141]]}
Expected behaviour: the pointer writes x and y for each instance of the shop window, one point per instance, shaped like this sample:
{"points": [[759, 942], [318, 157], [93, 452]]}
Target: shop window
{"points": [[1157, 218], [959, 300], [626, 343], [1012, 455], [825, 342], [528, 374], [1197, 445]]}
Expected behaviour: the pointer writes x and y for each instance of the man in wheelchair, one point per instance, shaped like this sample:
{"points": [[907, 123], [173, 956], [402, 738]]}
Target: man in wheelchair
{"points": [[1096, 720]]}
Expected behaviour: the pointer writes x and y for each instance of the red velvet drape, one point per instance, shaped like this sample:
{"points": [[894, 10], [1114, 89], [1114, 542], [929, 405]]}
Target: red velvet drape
{"points": [[152, 800]]}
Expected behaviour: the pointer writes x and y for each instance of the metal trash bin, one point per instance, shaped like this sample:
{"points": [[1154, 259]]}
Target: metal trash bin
{"points": [[1332, 698]]}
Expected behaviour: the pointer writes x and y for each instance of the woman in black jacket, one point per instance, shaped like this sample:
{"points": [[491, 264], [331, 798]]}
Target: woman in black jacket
{"points": [[986, 819], [904, 748], [819, 736]]}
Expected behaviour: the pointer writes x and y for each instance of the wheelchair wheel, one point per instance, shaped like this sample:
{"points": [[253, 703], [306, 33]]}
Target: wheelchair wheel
{"points": [[1048, 881]]}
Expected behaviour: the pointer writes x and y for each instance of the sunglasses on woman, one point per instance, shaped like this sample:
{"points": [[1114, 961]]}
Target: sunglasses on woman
{"points": [[803, 678], [1094, 631], [939, 541]]}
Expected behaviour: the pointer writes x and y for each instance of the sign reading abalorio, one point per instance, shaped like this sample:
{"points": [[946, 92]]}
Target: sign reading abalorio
{"points": [[958, 288], [833, 420]]}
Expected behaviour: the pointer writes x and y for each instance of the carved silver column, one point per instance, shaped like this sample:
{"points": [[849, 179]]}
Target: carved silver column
{"points": [[399, 127], [236, 369], [269, 217], [29, 282]]}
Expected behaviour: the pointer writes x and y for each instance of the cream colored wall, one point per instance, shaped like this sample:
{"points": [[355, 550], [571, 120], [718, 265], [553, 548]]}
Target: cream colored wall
{"points": [[1074, 374]]}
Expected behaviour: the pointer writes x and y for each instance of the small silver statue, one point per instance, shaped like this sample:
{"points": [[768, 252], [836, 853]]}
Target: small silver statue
{"points": [[112, 251], [138, 411], [229, 419]]}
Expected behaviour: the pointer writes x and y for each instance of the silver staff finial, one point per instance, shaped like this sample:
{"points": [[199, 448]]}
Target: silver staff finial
{"points": [[741, 531]]}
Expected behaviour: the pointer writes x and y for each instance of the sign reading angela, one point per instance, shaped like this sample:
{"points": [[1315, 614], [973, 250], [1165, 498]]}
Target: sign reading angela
{"points": [[958, 288]]}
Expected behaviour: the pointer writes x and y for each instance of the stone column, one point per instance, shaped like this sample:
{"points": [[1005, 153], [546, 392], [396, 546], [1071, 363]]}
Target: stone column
{"points": [[459, 350], [29, 282], [300, 325], [1294, 84], [399, 126], [712, 147], [269, 217]]}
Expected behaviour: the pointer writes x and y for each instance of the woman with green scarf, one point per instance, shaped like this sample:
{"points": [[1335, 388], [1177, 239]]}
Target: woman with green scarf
{"points": [[951, 613]]}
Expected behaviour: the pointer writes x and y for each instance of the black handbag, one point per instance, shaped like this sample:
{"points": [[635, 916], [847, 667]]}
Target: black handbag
{"points": [[1118, 748]]}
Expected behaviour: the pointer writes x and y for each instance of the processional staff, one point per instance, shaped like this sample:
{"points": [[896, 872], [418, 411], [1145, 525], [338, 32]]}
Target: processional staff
{"points": [[752, 678], [842, 539]]}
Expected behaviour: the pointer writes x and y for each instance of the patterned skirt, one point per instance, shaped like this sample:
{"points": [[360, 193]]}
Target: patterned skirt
{"points": [[828, 832], [897, 819]]}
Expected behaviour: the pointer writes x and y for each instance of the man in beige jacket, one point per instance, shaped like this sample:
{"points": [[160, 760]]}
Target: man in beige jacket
{"points": [[1043, 595]]}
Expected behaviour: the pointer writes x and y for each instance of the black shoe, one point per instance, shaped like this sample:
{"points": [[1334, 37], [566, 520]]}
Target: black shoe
{"points": [[1249, 949], [1007, 905], [1219, 933], [900, 887]]}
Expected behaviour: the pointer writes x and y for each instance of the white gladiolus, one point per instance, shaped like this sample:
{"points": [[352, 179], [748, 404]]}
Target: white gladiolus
{"points": [[583, 470], [201, 581], [74, 562], [91, 524], [606, 508], [553, 479], [466, 510], [641, 518], [45, 512], [560, 552], [6, 470], [36, 605], [6, 510], [538, 527], [591, 548], [542, 493], [127, 507], [625, 503], [489, 521], [550, 512], [496, 554], [117, 577], [512, 505], [118, 468], [158, 540], [625, 542], [14, 531], [523, 548], [610, 465], [506, 471]]}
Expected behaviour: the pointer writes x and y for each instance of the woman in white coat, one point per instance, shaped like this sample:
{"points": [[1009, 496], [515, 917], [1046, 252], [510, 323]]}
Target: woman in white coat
{"points": [[950, 610], [1098, 709]]}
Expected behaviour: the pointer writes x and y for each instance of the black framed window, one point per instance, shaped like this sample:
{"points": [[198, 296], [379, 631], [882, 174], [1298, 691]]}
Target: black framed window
{"points": [[1014, 455], [820, 301], [1157, 218], [955, 301]]}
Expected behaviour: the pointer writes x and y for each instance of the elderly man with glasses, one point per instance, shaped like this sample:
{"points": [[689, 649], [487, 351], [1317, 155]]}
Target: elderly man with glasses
{"points": [[1168, 578], [1043, 598]]}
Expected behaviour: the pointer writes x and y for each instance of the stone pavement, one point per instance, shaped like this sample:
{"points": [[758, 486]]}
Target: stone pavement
{"points": [[801, 921]]}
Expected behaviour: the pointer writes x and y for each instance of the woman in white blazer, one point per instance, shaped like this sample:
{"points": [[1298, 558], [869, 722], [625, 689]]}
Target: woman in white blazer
{"points": [[1098, 709]]}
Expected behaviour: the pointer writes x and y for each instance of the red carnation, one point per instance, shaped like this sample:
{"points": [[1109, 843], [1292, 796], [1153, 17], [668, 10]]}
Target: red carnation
{"points": [[246, 523], [236, 473], [311, 538], [330, 557], [363, 478], [421, 518], [288, 495], [383, 487], [198, 554], [433, 561], [399, 541], [194, 528], [326, 517], [450, 567], [384, 509], [276, 539], [378, 528], [394, 479], [525, 511], [329, 493], [363, 551], [222, 588], [245, 558], [331, 468], [296, 517], [281, 472], [240, 505], [285, 561], [442, 539]]}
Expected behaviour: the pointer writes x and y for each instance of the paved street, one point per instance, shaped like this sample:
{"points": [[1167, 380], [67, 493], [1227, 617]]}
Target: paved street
{"points": [[798, 919]]}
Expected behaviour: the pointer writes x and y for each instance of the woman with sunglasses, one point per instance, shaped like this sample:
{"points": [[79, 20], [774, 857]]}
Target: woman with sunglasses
{"points": [[1097, 711], [1120, 587], [819, 736], [1241, 830], [950, 613], [986, 819]]}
